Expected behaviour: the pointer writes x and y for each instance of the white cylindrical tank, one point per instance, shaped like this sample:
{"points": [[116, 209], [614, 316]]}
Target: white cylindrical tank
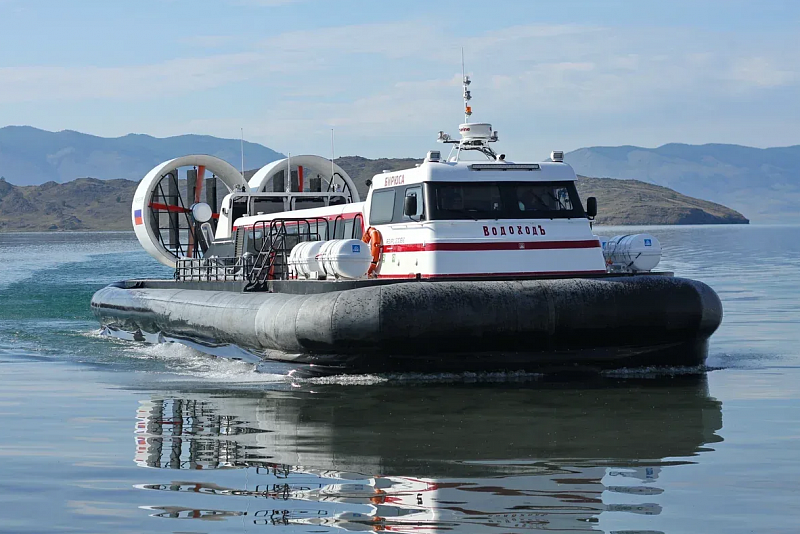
{"points": [[303, 259], [294, 262], [345, 258], [321, 254], [632, 253]]}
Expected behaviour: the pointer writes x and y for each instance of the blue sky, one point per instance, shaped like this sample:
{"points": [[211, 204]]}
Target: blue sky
{"points": [[547, 74]]}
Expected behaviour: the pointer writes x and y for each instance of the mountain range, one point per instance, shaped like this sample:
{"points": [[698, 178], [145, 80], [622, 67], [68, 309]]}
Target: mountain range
{"points": [[29, 156], [763, 184]]}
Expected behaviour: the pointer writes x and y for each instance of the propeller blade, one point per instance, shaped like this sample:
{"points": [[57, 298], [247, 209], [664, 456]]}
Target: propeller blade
{"points": [[198, 191], [201, 172]]}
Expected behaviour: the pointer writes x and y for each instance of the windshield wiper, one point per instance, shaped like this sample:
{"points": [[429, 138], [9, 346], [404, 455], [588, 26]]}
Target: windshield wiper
{"points": [[563, 207]]}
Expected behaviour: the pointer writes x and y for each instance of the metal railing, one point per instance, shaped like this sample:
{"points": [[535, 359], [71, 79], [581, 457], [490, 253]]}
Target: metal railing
{"points": [[273, 242], [214, 269]]}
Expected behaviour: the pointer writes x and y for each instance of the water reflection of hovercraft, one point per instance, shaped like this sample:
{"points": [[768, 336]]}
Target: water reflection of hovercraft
{"points": [[472, 457]]}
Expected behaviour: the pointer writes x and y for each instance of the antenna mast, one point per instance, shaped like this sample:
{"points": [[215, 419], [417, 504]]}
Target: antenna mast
{"points": [[475, 135], [467, 94], [333, 156], [288, 184], [242, 152]]}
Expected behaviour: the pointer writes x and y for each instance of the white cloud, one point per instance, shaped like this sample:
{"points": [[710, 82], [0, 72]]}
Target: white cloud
{"points": [[560, 62], [391, 40], [374, 81], [139, 82], [762, 72]]}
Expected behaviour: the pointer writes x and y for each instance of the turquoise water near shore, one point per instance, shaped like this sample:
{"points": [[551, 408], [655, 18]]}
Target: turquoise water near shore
{"points": [[100, 435]]}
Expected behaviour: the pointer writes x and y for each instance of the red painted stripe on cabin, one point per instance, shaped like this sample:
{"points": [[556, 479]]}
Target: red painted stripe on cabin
{"points": [[492, 275], [175, 209], [492, 245]]}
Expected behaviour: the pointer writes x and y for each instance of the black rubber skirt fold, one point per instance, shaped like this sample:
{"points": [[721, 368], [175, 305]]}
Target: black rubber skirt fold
{"points": [[434, 326]]}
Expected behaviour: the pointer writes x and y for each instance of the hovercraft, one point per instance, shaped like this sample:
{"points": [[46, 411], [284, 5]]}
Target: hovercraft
{"points": [[453, 265]]}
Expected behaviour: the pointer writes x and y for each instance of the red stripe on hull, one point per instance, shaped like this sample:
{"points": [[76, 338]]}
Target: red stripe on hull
{"points": [[493, 245], [491, 275]]}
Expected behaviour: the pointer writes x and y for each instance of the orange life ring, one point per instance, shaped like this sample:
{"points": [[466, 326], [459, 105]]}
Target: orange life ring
{"points": [[373, 237]]}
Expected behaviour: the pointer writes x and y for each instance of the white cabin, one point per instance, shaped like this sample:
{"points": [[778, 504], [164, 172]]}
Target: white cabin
{"points": [[469, 219], [482, 219]]}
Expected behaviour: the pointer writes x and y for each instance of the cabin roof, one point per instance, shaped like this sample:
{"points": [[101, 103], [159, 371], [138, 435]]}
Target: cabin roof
{"points": [[325, 211], [477, 171]]}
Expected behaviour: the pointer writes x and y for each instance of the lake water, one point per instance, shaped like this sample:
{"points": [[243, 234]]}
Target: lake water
{"points": [[99, 435]]}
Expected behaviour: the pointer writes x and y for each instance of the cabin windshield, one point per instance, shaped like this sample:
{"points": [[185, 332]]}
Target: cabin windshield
{"points": [[268, 205], [504, 200]]}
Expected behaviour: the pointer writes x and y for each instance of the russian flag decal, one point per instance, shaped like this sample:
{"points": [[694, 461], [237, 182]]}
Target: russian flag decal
{"points": [[137, 217]]}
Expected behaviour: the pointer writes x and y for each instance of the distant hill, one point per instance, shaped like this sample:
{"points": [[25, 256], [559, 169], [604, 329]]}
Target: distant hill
{"points": [[29, 156], [631, 202], [762, 183], [83, 204], [92, 204]]}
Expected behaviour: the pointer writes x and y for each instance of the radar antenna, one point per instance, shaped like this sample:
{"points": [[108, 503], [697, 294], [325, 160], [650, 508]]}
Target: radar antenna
{"points": [[474, 136], [465, 81]]}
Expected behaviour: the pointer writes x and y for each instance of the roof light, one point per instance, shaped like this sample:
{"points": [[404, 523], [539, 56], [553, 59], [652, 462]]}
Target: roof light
{"points": [[557, 155], [433, 156], [504, 167]]}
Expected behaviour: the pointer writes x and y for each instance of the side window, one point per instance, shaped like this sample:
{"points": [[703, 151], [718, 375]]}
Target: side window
{"points": [[339, 232], [254, 240], [415, 191], [381, 210], [358, 223], [302, 203], [268, 205]]}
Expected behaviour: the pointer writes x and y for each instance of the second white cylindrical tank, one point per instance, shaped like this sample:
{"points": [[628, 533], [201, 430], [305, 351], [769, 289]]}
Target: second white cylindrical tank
{"points": [[337, 258], [345, 258], [636, 252], [303, 259]]}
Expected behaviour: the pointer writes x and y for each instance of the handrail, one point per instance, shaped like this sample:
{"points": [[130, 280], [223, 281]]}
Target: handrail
{"points": [[213, 269], [273, 240], [272, 259]]}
